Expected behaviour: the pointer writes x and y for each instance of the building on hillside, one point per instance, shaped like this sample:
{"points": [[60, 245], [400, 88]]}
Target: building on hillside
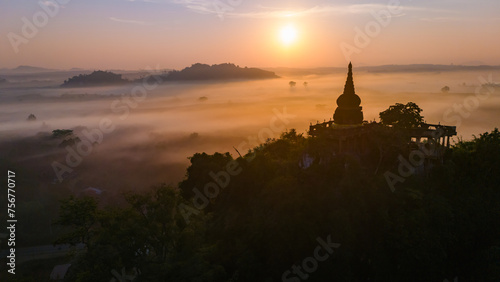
{"points": [[349, 134]]}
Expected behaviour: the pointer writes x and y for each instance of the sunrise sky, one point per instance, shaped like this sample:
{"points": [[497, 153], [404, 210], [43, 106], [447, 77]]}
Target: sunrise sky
{"points": [[121, 34]]}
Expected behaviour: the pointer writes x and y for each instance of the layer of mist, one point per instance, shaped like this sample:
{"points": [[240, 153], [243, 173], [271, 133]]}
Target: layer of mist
{"points": [[153, 138]]}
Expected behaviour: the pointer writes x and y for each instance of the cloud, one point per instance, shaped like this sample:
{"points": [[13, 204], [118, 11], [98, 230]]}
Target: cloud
{"points": [[147, 1], [221, 7], [129, 21], [441, 19], [273, 13], [233, 9], [458, 19], [48, 3], [201, 6]]}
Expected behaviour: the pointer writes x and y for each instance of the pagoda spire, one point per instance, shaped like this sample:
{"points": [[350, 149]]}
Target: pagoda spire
{"points": [[349, 84]]}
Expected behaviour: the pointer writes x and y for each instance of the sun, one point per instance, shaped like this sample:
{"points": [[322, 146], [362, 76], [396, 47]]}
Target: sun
{"points": [[288, 35]]}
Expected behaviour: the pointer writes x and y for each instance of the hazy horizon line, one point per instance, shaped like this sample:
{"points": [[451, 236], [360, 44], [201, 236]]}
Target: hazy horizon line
{"points": [[261, 67]]}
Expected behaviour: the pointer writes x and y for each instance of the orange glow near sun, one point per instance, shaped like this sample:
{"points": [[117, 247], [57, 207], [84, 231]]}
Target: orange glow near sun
{"points": [[288, 35]]}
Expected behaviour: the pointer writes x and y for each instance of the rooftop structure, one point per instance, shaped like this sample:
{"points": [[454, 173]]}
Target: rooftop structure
{"points": [[349, 134]]}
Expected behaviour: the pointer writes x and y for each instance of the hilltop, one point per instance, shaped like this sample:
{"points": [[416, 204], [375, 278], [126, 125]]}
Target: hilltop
{"points": [[95, 78], [218, 72]]}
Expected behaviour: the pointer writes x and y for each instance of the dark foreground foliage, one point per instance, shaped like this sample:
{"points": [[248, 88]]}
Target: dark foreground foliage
{"points": [[274, 203]]}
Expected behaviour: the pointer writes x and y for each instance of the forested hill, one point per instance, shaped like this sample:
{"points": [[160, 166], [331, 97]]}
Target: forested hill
{"points": [[266, 217], [219, 72], [96, 78], [194, 72]]}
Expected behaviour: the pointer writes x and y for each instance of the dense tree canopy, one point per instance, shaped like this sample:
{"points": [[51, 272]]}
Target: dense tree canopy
{"points": [[402, 116], [267, 219], [95, 78]]}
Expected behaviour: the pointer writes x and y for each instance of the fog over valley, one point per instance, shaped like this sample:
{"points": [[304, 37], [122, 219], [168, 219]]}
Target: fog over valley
{"points": [[154, 133]]}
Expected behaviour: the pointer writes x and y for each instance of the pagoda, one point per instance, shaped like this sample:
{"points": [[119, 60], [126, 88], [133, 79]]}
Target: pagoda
{"points": [[348, 111], [349, 134]]}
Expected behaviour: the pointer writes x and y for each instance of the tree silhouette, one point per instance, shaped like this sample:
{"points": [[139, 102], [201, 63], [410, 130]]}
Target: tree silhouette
{"points": [[292, 83], [31, 117], [79, 214], [95, 78], [445, 89], [148, 234], [402, 116]]}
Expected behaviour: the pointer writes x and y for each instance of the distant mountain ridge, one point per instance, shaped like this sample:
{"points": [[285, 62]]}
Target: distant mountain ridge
{"points": [[384, 69], [26, 69], [425, 68], [29, 69]]}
